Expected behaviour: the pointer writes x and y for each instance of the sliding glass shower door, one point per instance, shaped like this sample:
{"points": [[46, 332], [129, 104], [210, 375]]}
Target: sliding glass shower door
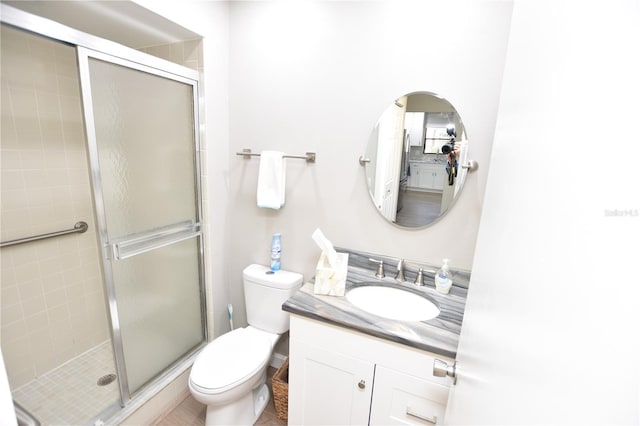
{"points": [[143, 144]]}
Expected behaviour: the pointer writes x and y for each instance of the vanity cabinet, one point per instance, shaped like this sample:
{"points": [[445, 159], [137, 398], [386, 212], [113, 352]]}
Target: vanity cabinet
{"points": [[427, 176], [340, 377]]}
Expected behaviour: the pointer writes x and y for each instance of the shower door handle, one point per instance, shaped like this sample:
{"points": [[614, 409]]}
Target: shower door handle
{"points": [[145, 242]]}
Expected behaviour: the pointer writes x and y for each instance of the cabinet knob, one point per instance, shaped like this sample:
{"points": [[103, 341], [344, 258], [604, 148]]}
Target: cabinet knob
{"points": [[361, 384], [442, 369]]}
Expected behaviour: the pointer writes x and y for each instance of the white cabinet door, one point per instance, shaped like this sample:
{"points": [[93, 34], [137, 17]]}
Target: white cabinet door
{"points": [[439, 176], [414, 125], [414, 179], [424, 178], [327, 388], [403, 399]]}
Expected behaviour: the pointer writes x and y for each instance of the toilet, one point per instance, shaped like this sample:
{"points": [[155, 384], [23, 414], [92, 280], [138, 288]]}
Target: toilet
{"points": [[229, 374]]}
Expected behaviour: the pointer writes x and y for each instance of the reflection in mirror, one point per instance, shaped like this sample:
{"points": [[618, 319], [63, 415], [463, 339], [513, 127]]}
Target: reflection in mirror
{"points": [[414, 153]]}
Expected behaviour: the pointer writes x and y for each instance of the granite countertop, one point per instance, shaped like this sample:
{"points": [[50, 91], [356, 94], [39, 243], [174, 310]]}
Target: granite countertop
{"points": [[438, 335]]}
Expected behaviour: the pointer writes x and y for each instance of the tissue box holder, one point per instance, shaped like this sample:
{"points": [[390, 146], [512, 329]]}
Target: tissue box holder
{"points": [[331, 281]]}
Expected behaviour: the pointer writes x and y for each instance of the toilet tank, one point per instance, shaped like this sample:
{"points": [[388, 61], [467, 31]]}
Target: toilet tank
{"points": [[264, 293]]}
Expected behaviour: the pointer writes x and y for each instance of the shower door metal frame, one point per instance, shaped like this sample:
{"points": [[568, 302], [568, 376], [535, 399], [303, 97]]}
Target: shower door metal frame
{"points": [[117, 249], [138, 60]]}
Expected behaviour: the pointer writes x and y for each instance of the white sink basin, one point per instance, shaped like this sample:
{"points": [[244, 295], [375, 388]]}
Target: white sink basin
{"points": [[392, 303]]}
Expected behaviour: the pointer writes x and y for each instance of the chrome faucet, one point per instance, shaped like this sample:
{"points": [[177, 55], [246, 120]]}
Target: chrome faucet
{"points": [[400, 273], [380, 271], [419, 280]]}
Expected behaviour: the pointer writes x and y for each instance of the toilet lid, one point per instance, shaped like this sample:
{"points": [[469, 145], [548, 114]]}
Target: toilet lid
{"points": [[230, 359]]}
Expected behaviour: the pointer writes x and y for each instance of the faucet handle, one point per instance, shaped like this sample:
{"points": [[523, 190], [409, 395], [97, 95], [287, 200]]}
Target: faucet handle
{"points": [[380, 271], [419, 280], [400, 273]]}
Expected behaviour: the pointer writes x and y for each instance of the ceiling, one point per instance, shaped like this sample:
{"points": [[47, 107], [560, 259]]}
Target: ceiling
{"points": [[124, 22]]}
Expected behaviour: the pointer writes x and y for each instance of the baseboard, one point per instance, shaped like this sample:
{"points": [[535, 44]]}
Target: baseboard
{"points": [[160, 404], [277, 360]]}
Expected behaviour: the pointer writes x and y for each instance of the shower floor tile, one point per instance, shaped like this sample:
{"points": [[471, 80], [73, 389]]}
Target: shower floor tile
{"points": [[69, 394]]}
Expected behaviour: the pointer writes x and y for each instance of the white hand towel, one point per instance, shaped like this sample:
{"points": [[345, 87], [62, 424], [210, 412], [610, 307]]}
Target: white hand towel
{"points": [[271, 180]]}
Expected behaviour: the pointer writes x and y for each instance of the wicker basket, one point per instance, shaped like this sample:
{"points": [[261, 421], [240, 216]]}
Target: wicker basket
{"points": [[280, 385]]}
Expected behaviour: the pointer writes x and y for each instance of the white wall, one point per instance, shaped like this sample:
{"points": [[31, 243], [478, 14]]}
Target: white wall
{"points": [[550, 334], [315, 76]]}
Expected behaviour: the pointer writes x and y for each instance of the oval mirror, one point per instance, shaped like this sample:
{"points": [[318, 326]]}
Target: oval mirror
{"points": [[413, 159]]}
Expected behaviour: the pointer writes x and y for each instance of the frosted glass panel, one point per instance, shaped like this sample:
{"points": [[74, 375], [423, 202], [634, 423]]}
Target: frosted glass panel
{"points": [[159, 308], [145, 132], [147, 197]]}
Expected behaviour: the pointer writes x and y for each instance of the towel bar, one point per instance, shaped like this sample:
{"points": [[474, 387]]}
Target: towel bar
{"points": [[310, 157]]}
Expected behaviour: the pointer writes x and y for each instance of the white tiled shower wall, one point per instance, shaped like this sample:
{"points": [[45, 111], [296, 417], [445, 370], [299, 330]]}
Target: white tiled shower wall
{"points": [[53, 305]]}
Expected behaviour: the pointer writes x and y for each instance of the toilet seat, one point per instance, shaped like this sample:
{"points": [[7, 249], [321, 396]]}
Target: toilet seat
{"points": [[229, 361]]}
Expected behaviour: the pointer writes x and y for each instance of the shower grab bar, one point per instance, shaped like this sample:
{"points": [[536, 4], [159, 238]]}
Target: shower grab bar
{"points": [[78, 228], [310, 157]]}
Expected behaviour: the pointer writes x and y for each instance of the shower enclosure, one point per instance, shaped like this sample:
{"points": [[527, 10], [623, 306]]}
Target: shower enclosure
{"points": [[96, 132]]}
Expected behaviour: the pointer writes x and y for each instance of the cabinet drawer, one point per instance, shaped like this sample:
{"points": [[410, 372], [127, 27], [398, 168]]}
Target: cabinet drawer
{"points": [[402, 399]]}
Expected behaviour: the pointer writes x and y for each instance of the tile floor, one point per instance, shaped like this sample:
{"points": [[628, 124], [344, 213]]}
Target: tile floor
{"points": [[192, 413], [69, 394]]}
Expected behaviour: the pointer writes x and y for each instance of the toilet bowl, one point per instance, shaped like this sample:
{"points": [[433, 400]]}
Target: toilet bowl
{"points": [[229, 374]]}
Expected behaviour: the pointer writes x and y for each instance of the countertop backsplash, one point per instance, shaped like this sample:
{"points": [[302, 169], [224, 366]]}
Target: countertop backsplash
{"points": [[361, 260]]}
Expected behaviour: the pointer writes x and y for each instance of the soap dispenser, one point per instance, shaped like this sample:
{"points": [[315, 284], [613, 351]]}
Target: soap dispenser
{"points": [[443, 278]]}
